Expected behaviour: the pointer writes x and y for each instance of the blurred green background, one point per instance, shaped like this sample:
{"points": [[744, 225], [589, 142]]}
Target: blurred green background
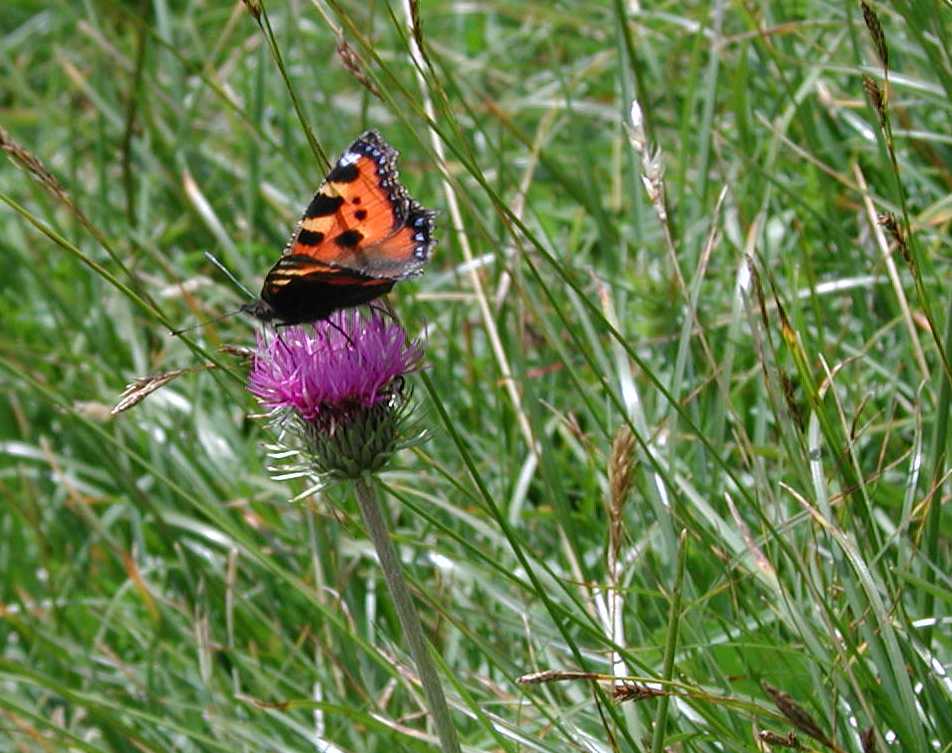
{"points": [[731, 323]]}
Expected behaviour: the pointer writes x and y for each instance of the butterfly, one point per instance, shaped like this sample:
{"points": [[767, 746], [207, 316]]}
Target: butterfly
{"points": [[360, 235]]}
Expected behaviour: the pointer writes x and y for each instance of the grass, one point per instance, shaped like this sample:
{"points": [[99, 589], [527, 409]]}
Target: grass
{"points": [[689, 407]]}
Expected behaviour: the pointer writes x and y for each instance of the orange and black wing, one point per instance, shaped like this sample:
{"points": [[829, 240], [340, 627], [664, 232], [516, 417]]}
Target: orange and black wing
{"points": [[360, 234], [362, 219]]}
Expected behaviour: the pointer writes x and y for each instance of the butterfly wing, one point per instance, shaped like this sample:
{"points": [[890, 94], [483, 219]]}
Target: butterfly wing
{"points": [[300, 289], [362, 219], [359, 235]]}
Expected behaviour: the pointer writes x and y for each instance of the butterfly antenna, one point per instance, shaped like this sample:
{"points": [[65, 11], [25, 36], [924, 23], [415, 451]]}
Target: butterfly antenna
{"points": [[204, 323], [227, 272]]}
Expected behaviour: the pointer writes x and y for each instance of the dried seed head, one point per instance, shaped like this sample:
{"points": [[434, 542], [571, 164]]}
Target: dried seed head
{"points": [[891, 224], [633, 691], [141, 387], [793, 405], [786, 328], [875, 95], [652, 160], [353, 63], [254, 8], [620, 480], [876, 32], [781, 741], [796, 714], [636, 130], [31, 164]]}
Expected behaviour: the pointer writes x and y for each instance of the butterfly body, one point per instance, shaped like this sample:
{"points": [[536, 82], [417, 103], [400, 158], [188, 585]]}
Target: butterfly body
{"points": [[360, 235]]}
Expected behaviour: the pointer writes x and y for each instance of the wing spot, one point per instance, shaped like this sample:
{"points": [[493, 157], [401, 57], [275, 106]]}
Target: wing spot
{"points": [[343, 173], [355, 200], [323, 205], [349, 238], [309, 237], [361, 214]]}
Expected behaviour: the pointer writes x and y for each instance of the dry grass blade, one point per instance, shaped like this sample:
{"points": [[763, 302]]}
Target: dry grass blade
{"points": [[557, 675], [755, 551], [458, 229]]}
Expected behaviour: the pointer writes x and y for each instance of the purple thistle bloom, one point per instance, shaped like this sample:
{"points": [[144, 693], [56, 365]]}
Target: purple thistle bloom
{"points": [[341, 385], [330, 367]]}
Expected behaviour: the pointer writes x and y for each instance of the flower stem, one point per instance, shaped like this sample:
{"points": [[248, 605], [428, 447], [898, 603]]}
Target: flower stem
{"points": [[409, 619]]}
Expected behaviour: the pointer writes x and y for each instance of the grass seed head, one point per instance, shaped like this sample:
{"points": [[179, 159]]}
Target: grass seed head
{"points": [[796, 714], [620, 479], [876, 32]]}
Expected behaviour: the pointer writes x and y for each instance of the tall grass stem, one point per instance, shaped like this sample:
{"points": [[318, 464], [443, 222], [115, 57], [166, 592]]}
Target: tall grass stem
{"points": [[409, 619], [671, 645]]}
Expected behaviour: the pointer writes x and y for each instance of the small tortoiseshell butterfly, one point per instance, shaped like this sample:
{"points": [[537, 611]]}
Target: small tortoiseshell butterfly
{"points": [[360, 234]]}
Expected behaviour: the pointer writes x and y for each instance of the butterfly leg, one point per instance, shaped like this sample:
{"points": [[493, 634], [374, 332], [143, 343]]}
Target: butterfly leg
{"points": [[385, 309], [336, 326]]}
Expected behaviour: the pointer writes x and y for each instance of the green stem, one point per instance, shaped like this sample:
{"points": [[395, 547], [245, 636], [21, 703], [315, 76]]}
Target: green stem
{"points": [[671, 646], [409, 619], [936, 482]]}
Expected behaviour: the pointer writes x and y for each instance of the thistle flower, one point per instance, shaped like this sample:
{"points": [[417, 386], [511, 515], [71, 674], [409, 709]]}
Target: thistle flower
{"points": [[336, 388]]}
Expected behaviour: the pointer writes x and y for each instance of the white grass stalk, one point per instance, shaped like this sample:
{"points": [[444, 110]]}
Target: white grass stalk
{"points": [[891, 270], [456, 218]]}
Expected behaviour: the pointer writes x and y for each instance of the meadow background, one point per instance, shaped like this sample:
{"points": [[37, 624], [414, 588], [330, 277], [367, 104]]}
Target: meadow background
{"points": [[687, 385]]}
